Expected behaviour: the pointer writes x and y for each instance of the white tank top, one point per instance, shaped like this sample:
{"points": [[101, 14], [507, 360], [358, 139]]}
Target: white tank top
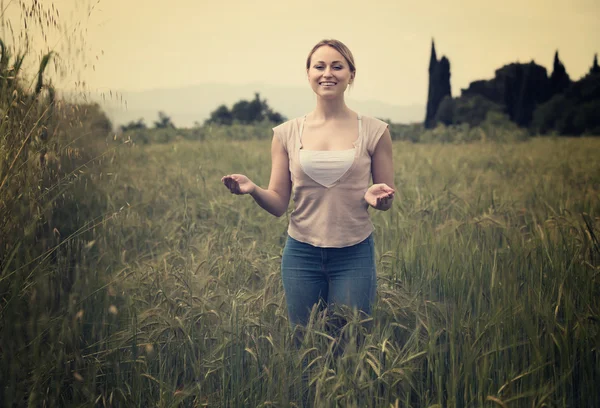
{"points": [[326, 166]]}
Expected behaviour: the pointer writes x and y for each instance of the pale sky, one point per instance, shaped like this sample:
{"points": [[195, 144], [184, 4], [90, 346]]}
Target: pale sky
{"points": [[148, 44]]}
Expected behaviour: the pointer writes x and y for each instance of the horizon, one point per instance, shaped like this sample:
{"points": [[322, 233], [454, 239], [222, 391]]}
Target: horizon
{"points": [[234, 42], [107, 47]]}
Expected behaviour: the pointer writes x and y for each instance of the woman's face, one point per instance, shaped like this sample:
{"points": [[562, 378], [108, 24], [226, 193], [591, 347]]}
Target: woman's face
{"points": [[329, 73]]}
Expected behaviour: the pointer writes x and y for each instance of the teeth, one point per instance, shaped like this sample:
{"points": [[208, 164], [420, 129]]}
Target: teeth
{"points": [[327, 83]]}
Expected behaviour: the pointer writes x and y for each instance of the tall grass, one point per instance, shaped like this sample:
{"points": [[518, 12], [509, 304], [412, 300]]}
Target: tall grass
{"points": [[488, 287], [49, 212]]}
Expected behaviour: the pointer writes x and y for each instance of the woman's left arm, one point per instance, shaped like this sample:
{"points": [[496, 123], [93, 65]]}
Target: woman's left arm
{"points": [[381, 194]]}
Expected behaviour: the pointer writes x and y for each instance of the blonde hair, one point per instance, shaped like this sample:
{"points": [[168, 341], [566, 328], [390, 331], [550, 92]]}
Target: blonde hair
{"points": [[339, 47]]}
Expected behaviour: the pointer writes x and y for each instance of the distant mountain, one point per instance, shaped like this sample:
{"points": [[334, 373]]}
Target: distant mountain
{"points": [[194, 103]]}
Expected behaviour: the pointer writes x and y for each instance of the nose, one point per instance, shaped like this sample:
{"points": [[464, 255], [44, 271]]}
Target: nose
{"points": [[327, 72]]}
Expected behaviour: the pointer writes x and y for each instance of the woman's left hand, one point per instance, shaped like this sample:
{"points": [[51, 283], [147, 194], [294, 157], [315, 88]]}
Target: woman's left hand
{"points": [[380, 196]]}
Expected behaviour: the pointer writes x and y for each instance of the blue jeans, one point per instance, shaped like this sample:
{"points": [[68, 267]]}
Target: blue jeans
{"points": [[335, 276]]}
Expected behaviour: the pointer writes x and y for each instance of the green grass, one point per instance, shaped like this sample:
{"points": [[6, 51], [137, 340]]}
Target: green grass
{"points": [[151, 285], [488, 268]]}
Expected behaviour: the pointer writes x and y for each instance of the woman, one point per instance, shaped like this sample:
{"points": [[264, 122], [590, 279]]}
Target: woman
{"points": [[328, 157]]}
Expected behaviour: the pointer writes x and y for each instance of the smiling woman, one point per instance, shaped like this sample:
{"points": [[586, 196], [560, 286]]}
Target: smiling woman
{"points": [[328, 157]]}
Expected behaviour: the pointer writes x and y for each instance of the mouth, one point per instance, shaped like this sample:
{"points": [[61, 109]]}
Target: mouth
{"points": [[327, 83]]}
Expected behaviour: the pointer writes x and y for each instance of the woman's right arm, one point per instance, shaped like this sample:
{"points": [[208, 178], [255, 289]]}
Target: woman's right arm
{"points": [[276, 198]]}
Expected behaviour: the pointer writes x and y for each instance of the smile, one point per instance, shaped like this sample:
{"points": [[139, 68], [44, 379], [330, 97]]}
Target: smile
{"points": [[327, 83]]}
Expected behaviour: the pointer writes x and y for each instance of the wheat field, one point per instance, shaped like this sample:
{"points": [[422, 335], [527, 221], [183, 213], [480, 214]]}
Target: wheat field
{"points": [[167, 291]]}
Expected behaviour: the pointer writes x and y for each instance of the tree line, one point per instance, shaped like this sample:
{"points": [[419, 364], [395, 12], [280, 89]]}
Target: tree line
{"points": [[164, 122], [244, 112], [523, 93]]}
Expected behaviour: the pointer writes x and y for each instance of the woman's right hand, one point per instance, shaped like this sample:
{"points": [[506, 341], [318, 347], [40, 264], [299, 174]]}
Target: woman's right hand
{"points": [[238, 184]]}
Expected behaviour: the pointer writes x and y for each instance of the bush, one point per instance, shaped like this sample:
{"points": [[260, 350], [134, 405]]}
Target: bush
{"points": [[410, 133], [471, 109], [496, 127]]}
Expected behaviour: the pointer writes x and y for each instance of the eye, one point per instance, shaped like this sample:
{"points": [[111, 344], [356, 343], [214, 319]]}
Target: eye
{"points": [[338, 67], [319, 67]]}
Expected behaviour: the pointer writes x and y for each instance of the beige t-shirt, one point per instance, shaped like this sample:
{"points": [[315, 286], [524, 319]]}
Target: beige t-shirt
{"points": [[335, 216]]}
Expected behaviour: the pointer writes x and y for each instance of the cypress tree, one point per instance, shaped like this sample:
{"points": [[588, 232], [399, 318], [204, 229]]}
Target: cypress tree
{"points": [[595, 69], [559, 79], [439, 85]]}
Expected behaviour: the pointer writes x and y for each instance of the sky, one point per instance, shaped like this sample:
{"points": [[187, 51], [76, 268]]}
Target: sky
{"points": [[134, 45]]}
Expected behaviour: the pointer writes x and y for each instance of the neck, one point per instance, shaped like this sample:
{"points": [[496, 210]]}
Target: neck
{"points": [[330, 109]]}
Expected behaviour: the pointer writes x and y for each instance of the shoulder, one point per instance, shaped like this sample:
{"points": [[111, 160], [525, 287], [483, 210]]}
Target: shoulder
{"points": [[373, 121], [288, 126], [286, 131], [373, 130]]}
